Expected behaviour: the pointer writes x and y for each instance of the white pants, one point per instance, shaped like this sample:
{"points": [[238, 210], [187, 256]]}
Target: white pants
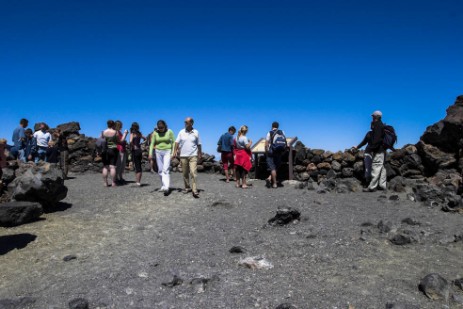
{"points": [[163, 161], [378, 171]]}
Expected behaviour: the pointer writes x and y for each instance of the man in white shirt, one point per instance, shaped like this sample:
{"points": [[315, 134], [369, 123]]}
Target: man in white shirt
{"points": [[43, 139], [189, 143]]}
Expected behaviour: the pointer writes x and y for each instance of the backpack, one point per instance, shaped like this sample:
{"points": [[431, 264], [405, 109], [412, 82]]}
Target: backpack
{"points": [[390, 137], [101, 144], [277, 142]]}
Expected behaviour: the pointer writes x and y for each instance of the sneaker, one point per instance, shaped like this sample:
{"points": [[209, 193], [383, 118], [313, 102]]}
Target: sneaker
{"points": [[195, 194], [268, 183], [368, 190], [186, 191]]}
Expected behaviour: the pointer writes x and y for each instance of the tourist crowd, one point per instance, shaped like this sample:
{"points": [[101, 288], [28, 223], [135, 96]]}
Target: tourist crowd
{"points": [[236, 157]]}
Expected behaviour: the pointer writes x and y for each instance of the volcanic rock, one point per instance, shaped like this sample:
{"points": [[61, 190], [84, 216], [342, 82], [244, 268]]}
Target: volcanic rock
{"points": [[435, 287], [17, 213], [284, 216], [42, 183]]}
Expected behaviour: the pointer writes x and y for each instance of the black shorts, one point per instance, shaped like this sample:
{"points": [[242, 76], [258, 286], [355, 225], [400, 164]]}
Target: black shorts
{"points": [[109, 156]]}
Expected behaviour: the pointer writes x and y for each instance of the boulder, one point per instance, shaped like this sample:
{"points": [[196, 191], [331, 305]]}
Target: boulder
{"points": [[397, 184], [326, 185], [42, 183], [347, 172], [17, 213], [347, 185], [348, 157], [69, 127], [311, 167], [434, 158], [435, 287], [336, 166], [300, 168], [284, 216], [337, 156], [318, 152], [324, 166]]}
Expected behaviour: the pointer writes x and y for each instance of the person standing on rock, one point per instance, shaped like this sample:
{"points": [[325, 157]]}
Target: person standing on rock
{"points": [[110, 154], [43, 142], [243, 156], [225, 147], [368, 158], [122, 156], [19, 136], [162, 142], [275, 146], [135, 147], [378, 153], [188, 143]]}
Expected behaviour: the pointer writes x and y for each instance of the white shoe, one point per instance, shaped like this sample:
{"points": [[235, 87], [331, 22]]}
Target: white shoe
{"points": [[162, 189]]}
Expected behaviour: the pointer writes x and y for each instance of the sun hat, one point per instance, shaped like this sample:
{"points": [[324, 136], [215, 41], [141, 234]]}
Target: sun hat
{"points": [[377, 114]]}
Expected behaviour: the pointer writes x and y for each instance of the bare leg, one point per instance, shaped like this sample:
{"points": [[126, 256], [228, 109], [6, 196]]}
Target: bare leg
{"points": [[112, 171], [273, 174], [105, 175]]}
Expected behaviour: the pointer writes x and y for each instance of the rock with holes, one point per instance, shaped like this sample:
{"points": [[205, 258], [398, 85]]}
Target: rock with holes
{"points": [[17, 213], [435, 287], [42, 183]]}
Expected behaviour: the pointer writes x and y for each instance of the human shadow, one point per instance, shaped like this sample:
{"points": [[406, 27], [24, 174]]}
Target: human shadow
{"points": [[18, 241], [60, 206]]}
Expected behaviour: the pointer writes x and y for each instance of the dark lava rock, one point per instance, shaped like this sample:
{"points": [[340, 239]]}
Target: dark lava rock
{"points": [[397, 184], [394, 198], [17, 213], [175, 281], [435, 287], [68, 128], [404, 238], [199, 284], [410, 221], [284, 216], [347, 185], [68, 258], [42, 183], [459, 283], [78, 303], [326, 185], [237, 249], [427, 192], [384, 227], [222, 203], [286, 306], [23, 302]]}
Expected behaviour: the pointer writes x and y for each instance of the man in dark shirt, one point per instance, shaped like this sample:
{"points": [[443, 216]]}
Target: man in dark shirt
{"points": [[378, 154]]}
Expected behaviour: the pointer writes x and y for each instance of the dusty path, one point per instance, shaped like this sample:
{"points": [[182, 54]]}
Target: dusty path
{"points": [[127, 241]]}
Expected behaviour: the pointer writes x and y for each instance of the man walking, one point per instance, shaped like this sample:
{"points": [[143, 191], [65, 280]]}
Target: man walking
{"points": [[188, 143], [275, 146], [225, 147], [378, 153]]}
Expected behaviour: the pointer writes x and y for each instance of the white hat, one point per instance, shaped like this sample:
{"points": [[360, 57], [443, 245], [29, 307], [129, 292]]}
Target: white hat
{"points": [[377, 114]]}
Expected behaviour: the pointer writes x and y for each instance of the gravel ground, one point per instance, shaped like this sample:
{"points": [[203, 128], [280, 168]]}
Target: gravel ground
{"points": [[125, 245]]}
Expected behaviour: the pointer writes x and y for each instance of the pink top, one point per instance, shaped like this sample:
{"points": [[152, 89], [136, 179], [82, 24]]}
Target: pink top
{"points": [[121, 144]]}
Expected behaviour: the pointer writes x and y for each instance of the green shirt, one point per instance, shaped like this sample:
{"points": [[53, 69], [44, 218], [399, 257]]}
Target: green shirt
{"points": [[162, 141]]}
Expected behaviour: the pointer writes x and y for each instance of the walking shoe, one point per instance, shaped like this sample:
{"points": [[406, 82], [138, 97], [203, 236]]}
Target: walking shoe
{"points": [[368, 190], [268, 183], [195, 194]]}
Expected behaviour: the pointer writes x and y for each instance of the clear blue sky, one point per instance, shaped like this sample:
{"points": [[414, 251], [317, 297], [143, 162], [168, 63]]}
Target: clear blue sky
{"points": [[320, 68]]}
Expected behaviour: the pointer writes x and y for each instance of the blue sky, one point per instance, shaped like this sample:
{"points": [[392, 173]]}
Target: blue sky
{"points": [[320, 68]]}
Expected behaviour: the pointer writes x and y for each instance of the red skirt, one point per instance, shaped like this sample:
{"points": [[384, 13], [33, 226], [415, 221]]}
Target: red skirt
{"points": [[243, 158]]}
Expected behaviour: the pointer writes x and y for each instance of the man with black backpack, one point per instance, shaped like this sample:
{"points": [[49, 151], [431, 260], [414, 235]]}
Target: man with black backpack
{"points": [[377, 150], [275, 146]]}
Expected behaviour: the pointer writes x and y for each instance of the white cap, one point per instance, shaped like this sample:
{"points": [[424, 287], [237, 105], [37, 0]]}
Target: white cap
{"points": [[377, 114]]}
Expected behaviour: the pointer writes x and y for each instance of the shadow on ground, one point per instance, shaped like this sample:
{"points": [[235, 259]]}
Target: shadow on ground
{"points": [[18, 241]]}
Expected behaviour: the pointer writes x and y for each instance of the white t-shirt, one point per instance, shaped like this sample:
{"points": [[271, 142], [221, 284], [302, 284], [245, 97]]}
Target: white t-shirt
{"points": [[241, 142], [42, 138], [188, 142]]}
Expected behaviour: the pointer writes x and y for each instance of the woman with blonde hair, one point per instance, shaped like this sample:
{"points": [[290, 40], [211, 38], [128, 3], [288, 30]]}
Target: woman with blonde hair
{"points": [[242, 152]]}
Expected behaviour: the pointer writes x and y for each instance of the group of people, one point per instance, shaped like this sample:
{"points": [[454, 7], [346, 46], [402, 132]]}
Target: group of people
{"points": [[162, 147], [41, 145], [236, 154]]}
